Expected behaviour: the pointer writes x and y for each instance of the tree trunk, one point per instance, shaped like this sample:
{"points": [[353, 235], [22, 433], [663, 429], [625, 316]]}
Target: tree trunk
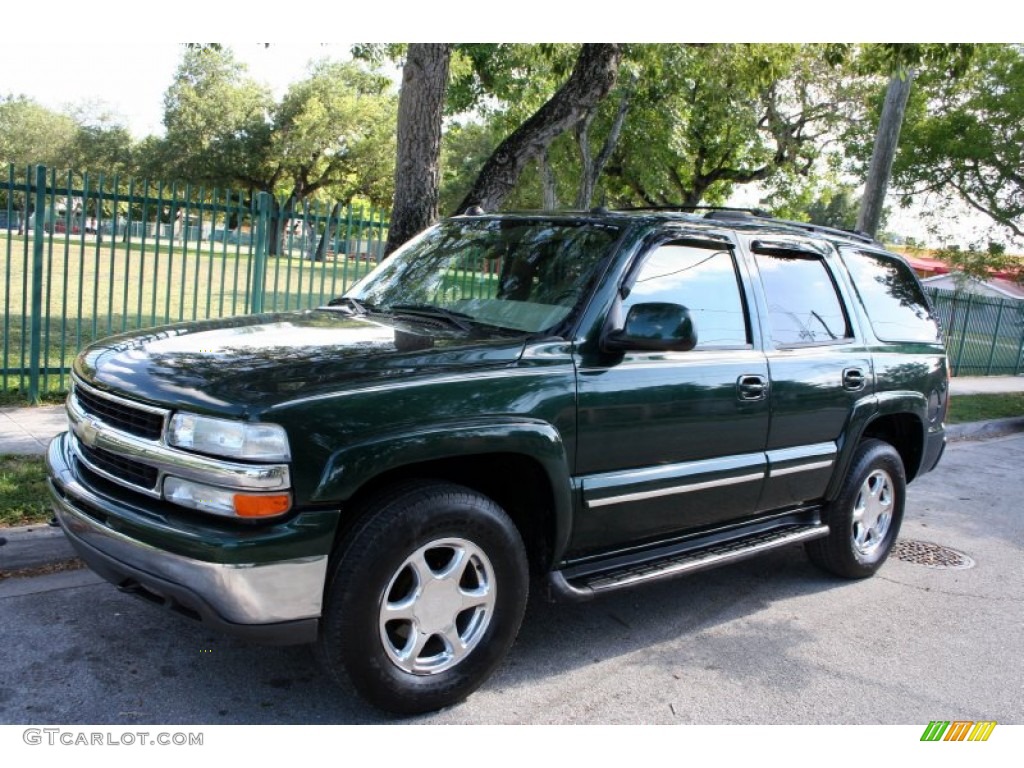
{"points": [[418, 167], [592, 78], [547, 175], [275, 224], [591, 169], [884, 153], [329, 229], [586, 189]]}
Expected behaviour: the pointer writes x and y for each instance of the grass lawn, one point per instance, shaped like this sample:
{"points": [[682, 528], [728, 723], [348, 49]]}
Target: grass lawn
{"points": [[24, 498], [964, 408], [15, 398], [92, 290]]}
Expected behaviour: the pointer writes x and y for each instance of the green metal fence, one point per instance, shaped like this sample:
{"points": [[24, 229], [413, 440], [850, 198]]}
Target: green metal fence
{"points": [[85, 257], [984, 335]]}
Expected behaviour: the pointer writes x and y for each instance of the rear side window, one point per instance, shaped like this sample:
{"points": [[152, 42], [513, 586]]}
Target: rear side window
{"points": [[895, 304], [803, 305]]}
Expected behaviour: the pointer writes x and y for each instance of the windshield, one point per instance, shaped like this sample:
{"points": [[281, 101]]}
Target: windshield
{"points": [[523, 275]]}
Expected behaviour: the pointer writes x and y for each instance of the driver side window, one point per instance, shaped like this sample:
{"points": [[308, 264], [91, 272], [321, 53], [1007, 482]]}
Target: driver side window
{"points": [[703, 280]]}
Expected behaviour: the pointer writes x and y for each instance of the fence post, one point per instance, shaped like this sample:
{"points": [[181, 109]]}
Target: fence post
{"points": [[1020, 356], [963, 336], [36, 317], [995, 338], [259, 267]]}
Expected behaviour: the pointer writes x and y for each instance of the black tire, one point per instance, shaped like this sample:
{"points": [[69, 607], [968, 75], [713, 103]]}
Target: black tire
{"points": [[864, 520], [449, 566]]}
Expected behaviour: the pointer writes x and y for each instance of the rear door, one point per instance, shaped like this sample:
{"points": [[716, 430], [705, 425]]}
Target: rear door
{"points": [[819, 368]]}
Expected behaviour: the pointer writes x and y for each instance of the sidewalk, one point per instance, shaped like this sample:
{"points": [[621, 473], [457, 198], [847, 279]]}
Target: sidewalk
{"points": [[28, 430]]}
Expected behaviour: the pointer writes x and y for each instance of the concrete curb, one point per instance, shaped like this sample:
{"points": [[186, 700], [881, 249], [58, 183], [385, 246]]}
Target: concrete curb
{"points": [[33, 546], [981, 430]]}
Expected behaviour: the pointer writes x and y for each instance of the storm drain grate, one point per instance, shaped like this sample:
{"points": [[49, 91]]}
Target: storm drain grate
{"points": [[930, 555]]}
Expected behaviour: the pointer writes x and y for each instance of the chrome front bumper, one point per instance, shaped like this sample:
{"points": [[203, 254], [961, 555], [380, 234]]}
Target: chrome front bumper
{"points": [[276, 603]]}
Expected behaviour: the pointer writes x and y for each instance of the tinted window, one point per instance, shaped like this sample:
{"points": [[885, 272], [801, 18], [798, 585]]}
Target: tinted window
{"points": [[890, 293], [701, 279], [803, 306], [520, 274]]}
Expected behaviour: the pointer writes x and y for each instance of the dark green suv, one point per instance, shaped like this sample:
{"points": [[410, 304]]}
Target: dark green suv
{"points": [[582, 401]]}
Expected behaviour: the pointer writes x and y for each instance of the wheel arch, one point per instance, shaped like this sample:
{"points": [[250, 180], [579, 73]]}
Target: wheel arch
{"points": [[897, 418], [520, 465], [905, 433]]}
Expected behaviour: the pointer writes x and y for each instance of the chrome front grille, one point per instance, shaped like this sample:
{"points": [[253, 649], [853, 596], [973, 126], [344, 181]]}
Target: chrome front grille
{"points": [[134, 418], [111, 465], [123, 442]]}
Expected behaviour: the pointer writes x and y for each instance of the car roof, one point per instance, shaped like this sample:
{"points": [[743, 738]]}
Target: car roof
{"points": [[709, 218]]}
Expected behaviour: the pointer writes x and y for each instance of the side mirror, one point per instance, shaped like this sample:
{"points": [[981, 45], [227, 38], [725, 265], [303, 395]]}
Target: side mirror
{"points": [[654, 327]]}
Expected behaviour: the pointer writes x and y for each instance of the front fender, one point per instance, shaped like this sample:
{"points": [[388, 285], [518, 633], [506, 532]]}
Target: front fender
{"points": [[351, 467]]}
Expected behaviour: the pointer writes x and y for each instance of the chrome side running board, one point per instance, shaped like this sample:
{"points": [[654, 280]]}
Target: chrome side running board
{"points": [[698, 558]]}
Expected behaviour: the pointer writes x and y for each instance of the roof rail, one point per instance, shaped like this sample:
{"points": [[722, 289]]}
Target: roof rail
{"points": [[712, 209], [726, 212], [823, 230]]}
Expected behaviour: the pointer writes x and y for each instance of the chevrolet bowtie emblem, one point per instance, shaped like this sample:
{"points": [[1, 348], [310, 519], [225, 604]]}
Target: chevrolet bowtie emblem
{"points": [[90, 430]]}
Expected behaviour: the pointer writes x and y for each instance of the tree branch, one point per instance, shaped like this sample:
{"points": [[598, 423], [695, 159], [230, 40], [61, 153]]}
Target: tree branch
{"points": [[591, 79]]}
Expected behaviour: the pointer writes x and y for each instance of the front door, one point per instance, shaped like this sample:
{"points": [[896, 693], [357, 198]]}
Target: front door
{"points": [[671, 443]]}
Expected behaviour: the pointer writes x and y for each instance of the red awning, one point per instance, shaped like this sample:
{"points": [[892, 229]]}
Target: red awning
{"points": [[923, 264]]}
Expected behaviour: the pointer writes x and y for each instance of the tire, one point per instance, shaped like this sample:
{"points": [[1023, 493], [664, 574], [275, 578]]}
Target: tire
{"points": [[864, 520], [425, 598]]}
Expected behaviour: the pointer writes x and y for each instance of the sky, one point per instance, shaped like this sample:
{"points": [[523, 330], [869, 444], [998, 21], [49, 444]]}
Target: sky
{"points": [[122, 60], [130, 78]]}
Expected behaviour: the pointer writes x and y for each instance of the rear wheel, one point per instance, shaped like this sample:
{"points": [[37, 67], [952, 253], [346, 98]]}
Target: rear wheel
{"points": [[864, 520], [425, 599]]}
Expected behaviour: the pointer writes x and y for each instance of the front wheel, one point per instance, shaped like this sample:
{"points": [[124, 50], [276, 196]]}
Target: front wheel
{"points": [[425, 598], [864, 520]]}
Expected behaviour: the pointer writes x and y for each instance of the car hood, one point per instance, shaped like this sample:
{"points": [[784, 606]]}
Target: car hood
{"points": [[240, 366]]}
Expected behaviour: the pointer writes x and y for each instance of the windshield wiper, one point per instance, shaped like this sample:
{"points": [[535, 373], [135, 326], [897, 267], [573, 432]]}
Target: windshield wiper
{"points": [[347, 301], [458, 319]]}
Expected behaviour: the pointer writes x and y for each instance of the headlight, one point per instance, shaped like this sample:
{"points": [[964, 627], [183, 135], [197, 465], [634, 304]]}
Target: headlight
{"points": [[222, 437]]}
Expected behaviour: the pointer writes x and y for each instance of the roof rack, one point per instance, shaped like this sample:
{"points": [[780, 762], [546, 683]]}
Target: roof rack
{"points": [[836, 231], [711, 209], [726, 212]]}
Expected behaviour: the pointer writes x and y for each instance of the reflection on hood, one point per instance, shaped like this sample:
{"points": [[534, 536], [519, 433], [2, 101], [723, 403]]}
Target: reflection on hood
{"points": [[230, 366]]}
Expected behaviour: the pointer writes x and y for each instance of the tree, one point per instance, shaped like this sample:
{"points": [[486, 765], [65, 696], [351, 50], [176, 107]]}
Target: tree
{"points": [[591, 79], [707, 118], [101, 144], [483, 70], [331, 133], [31, 134], [976, 263], [900, 61], [335, 131], [965, 139], [884, 153], [836, 207], [217, 122], [420, 113]]}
